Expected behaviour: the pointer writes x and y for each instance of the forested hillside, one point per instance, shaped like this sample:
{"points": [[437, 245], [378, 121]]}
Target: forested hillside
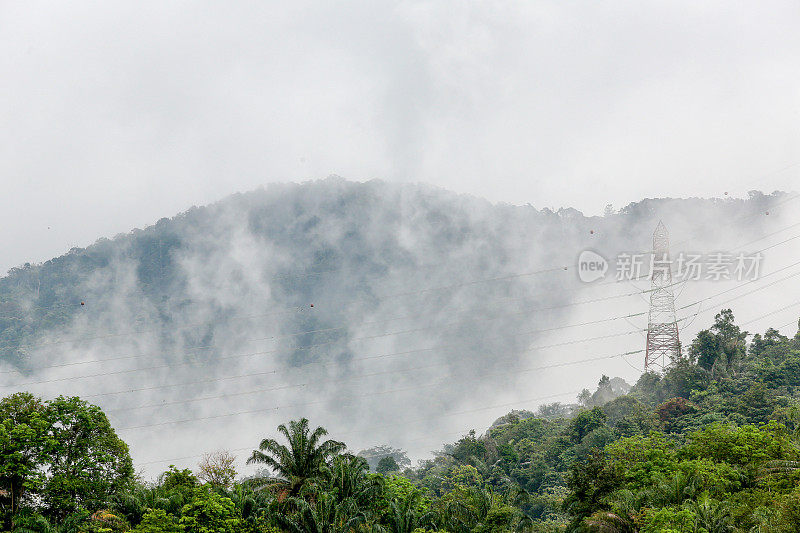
{"points": [[327, 241], [323, 282], [399, 267], [710, 445], [392, 316]]}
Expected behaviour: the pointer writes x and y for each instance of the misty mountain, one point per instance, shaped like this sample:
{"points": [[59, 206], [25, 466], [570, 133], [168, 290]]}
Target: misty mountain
{"points": [[369, 302]]}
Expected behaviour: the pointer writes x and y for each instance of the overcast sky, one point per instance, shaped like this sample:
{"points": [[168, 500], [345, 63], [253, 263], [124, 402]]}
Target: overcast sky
{"points": [[116, 114]]}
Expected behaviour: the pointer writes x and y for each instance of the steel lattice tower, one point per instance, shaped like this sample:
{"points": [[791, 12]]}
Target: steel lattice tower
{"points": [[663, 344]]}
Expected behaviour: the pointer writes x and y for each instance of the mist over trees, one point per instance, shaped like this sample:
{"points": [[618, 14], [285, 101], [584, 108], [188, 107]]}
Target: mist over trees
{"points": [[378, 311], [313, 282], [295, 245], [703, 446]]}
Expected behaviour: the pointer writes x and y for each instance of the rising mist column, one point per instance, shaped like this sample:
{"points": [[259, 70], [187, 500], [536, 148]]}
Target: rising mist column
{"points": [[663, 344]]}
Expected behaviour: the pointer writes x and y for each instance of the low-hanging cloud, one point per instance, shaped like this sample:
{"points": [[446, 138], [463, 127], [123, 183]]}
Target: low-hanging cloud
{"points": [[380, 311]]}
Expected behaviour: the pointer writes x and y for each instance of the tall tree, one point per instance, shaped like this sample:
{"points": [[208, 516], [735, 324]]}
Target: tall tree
{"points": [[87, 461], [23, 445], [723, 346], [302, 460], [404, 515], [326, 515], [348, 476], [218, 468]]}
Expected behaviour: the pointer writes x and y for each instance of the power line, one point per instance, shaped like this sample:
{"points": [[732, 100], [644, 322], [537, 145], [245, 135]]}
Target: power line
{"points": [[158, 367], [273, 408], [764, 177], [540, 398], [516, 371], [366, 358], [368, 337], [736, 297], [296, 309], [598, 299], [431, 289], [772, 313], [748, 217], [516, 276], [795, 323], [470, 410], [483, 376], [767, 236], [399, 390], [267, 352], [372, 337]]}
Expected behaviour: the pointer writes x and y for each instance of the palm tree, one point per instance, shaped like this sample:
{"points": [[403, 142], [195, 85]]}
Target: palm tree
{"points": [[348, 476], [676, 490], [712, 515], [610, 522], [404, 515], [301, 461], [622, 518], [475, 508], [133, 503], [327, 515], [250, 503], [28, 521]]}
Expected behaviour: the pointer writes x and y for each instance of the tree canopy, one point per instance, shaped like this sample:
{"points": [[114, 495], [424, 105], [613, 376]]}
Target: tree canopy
{"points": [[710, 444]]}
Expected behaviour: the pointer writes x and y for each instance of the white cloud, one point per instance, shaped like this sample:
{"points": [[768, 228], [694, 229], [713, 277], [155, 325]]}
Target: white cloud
{"points": [[116, 114]]}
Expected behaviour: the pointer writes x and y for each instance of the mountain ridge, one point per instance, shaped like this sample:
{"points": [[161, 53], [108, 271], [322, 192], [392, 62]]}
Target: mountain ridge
{"points": [[357, 288]]}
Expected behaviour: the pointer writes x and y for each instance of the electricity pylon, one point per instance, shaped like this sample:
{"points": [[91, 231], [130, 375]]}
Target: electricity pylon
{"points": [[663, 344]]}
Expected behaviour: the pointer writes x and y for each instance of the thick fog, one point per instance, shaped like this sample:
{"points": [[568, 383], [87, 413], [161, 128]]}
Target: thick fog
{"points": [[391, 314]]}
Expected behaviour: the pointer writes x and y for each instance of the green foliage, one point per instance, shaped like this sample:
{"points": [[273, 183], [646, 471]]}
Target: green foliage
{"points": [[29, 521], [407, 514], [705, 349], [469, 449], [683, 378], [62, 453], [325, 515], [386, 465], [209, 513], [586, 422], [25, 440], [712, 444], [668, 520], [741, 446], [721, 348], [402, 488], [87, 462], [180, 480], [158, 521], [299, 462], [590, 482], [349, 478]]}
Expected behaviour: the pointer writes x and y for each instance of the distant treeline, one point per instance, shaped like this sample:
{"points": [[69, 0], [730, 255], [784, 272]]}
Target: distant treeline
{"points": [[712, 444]]}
